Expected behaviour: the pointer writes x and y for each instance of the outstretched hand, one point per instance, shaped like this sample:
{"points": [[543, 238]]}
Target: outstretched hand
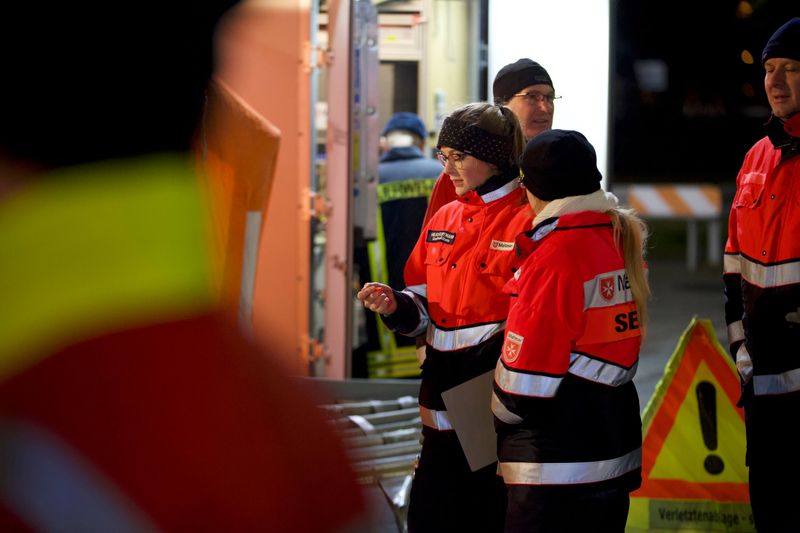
{"points": [[378, 297]]}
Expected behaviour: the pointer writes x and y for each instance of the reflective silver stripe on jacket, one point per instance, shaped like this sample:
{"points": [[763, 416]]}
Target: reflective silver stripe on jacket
{"points": [[52, 487], [435, 419], [768, 276], [570, 473], [788, 381], [735, 332], [415, 292], [421, 290], [525, 384], [456, 339], [502, 413], [583, 366], [604, 290], [743, 363], [732, 264]]}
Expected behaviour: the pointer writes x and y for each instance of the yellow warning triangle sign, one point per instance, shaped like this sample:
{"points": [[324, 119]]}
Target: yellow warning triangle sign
{"points": [[693, 473]]}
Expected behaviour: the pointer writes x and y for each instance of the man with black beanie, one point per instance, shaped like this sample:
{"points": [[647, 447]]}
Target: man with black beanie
{"points": [[526, 88], [762, 289]]}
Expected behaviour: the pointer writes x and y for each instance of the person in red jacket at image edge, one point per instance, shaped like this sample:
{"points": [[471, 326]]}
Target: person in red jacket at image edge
{"points": [[524, 87], [454, 279], [566, 408], [762, 289], [129, 401]]}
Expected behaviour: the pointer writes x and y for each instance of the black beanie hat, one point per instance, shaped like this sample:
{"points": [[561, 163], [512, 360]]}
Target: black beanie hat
{"points": [[785, 42], [559, 163], [514, 77]]}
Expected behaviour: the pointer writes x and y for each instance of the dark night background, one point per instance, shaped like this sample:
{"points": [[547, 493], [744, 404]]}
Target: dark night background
{"points": [[700, 124]]}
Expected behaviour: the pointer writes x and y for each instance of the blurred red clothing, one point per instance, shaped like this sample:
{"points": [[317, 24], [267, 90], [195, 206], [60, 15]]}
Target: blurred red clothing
{"points": [[129, 400]]}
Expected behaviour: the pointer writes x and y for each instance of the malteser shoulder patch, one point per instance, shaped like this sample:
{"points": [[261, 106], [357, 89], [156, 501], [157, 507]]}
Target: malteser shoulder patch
{"points": [[512, 347], [440, 236]]}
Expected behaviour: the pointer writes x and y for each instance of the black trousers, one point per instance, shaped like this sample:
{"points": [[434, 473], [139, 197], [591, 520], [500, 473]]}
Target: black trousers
{"points": [[447, 497], [773, 442], [535, 509]]}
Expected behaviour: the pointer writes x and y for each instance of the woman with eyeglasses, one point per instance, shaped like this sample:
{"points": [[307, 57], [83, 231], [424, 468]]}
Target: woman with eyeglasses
{"points": [[566, 408], [525, 87], [454, 279]]}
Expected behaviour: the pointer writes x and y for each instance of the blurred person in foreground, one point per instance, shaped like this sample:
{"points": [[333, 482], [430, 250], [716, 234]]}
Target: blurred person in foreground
{"points": [[566, 408], [453, 294], [762, 289], [526, 88], [129, 401]]}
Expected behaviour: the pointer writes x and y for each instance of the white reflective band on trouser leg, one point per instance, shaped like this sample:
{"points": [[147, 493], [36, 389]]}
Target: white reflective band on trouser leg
{"points": [[788, 381], [435, 419], [570, 473], [53, 488]]}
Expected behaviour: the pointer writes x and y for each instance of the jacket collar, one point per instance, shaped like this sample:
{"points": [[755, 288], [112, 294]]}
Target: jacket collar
{"points": [[495, 188], [528, 241], [784, 134]]}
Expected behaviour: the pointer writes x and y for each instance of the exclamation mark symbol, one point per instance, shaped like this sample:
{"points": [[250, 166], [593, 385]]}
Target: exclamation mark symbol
{"points": [[707, 403]]}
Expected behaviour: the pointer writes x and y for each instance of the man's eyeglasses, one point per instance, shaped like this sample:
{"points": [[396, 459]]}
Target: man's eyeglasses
{"points": [[535, 98], [455, 157]]}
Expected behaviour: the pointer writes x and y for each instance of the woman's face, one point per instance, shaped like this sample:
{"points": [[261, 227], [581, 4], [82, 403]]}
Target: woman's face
{"points": [[466, 172]]}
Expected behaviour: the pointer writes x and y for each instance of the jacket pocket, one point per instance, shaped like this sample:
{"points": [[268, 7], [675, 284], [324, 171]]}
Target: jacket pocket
{"points": [[750, 190], [497, 263], [436, 264]]}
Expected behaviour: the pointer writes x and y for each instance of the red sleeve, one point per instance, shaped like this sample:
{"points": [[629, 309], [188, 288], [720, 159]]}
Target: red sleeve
{"points": [[443, 193], [189, 424], [545, 321]]}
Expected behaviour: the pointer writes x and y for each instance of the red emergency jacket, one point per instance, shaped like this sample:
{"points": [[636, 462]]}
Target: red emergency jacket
{"points": [[454, 289], [762, 263], [461, 261], [566, 407]]}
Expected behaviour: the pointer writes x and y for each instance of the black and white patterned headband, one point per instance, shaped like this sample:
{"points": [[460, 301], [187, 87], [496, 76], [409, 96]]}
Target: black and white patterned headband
{"points": [[477, 142]]}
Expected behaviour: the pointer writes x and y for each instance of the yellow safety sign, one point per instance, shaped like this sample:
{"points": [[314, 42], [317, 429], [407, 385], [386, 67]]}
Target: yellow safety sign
{"points": [[693, 473]]}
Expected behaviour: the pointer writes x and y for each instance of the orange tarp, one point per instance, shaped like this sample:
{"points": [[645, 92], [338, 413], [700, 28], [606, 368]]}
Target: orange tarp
{"points": [[238, 149]]}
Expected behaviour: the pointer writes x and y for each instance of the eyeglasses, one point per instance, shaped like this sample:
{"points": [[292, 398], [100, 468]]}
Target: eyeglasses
{"points": [[535, 98], [455, 157]]}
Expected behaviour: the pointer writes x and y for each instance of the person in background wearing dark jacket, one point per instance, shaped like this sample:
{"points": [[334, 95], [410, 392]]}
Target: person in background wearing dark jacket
{"points": [[405, 179], [130, 400], [526, 88], [406, 176], [453, 294], [566, 408], [762, 290]]}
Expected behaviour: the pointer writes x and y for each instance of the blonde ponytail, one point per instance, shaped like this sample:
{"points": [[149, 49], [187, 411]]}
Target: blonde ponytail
{"points": [[630, 235]]}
